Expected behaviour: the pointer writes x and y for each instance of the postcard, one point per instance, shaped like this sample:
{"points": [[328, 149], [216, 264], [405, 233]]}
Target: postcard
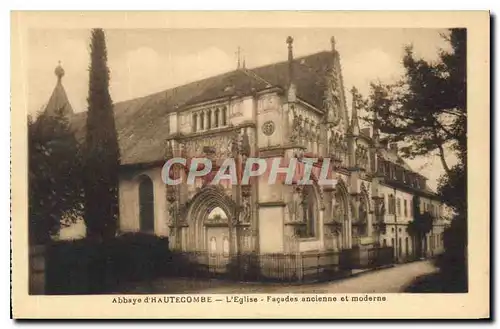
{"points": [[170, 165]]}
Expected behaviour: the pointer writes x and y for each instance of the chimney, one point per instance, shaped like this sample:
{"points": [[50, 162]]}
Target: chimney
{"points": [[394, 148]]}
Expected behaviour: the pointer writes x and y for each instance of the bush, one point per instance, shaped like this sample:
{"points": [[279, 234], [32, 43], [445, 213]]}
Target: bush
{"points": [[86, 266], [453, 262]]}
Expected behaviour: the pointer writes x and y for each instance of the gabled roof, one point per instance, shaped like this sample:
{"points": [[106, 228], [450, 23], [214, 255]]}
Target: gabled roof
{"points": [[141, 123]]}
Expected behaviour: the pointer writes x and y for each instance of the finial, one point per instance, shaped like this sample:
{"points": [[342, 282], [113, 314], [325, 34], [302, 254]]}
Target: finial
{"points": [[289, 41], [238, 54], [59, 71], [332, 40]]}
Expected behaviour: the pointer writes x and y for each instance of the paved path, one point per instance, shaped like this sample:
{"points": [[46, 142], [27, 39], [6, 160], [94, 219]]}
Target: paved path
{"points": [[394, 279], [389, 280]]}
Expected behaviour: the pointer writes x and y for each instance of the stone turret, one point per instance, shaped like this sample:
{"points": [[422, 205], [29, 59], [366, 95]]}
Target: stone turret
{"points": [[58, 101], [292, 92]]}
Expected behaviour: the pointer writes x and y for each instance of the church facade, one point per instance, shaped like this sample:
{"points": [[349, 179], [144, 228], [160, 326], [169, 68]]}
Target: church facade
{"points": [[293, 109]]}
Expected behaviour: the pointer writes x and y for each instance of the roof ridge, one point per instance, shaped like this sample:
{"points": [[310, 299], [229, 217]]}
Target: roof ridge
{"points": [[285, 61]]}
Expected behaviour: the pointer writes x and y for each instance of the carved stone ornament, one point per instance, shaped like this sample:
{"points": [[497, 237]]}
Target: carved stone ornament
{"points": [[296, 128], [246, 211], [268, 128], [221, 144], [296, 206]]}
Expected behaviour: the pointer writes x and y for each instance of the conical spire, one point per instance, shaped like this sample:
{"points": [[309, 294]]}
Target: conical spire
{"points": [[58, 101]]}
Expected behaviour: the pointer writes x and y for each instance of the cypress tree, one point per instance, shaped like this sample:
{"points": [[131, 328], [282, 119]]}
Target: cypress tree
{"points": [[102, 155]]}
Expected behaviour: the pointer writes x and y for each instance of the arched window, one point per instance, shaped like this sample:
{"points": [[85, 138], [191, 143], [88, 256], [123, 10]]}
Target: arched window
{"points": [[224, 116], [217, 111], [146, 205], [209, 119], [339, 208], [194, 124], [202, 121]]}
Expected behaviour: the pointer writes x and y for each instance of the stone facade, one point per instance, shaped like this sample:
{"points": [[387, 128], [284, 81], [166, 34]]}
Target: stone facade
{"points": [[291, 110], [280, 218]]}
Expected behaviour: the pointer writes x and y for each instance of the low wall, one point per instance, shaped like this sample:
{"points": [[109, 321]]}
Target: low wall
{"points": [[37, 270]]}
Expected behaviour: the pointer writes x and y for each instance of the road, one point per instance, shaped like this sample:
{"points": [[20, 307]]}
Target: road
{"points": [[389, 280], [394, 279]]}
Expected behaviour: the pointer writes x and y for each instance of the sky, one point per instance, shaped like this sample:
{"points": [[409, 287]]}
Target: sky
{"points": [[145, 61]]}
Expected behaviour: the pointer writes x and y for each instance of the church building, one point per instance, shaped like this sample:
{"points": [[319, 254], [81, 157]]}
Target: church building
{"points": [[296, 108]]}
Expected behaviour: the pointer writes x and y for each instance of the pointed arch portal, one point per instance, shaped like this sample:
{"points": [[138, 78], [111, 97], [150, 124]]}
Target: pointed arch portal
{"points": [[209, 217]]}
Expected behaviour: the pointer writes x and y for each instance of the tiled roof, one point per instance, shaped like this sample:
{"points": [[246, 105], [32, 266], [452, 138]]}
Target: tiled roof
{"points": [[394, 158], [141, 123]]}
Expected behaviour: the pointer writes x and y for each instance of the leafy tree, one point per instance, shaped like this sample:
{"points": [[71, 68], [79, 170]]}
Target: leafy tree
{"points": [[54, 178], [102, 156], [420, 225], [426, 111]]}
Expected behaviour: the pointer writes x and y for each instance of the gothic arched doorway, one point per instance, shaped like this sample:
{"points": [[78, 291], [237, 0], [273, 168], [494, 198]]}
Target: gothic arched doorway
{"points": [[146, 205], [210, 215]]}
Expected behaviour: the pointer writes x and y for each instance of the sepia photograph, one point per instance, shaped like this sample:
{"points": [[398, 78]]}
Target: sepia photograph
{"points": [[248, 165]]}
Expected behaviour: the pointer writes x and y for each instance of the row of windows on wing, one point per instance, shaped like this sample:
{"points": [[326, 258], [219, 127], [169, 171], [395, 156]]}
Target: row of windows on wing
{"points": [[395, 172], [394, 207], [209, 119], [433, 241]]}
